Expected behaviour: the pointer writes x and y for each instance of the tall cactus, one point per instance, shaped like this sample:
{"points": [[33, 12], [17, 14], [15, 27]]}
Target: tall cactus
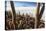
{"points": [[14, 13], [39, 15]]}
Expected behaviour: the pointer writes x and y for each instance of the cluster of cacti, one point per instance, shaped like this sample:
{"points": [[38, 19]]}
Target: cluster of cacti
{"points": [[22, 22], [17, 21]]}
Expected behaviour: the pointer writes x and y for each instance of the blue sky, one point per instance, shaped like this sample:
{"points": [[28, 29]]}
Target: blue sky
{"points": [[25, 4]]}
